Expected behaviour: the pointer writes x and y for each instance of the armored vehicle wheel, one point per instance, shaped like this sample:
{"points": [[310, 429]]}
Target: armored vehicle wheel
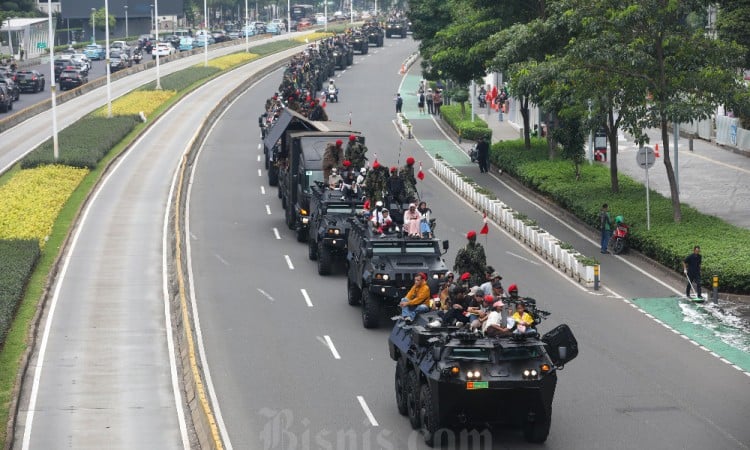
{"points": [[428, 416], [365, 49], [353, 293], [618, 245], [380, 41], [301, 234], [325, 261], [350, 59], [536, 428], [312, 250], [412, 399], [401, 374], [370, 310]]}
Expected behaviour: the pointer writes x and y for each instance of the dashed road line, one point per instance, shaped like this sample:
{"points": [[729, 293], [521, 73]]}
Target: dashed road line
{"points": [[289, 262], [307, 298], [367, 411], [330, 345], [276, 233], [268, 209], [222, 260], [266, 295], [260, 173], [262, 190]]}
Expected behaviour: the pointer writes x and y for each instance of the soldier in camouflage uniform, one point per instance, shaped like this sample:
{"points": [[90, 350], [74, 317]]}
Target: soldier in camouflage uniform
{"points": [[332, 157], [355, 152], [471, 259], [375, 182], [406, 173]]}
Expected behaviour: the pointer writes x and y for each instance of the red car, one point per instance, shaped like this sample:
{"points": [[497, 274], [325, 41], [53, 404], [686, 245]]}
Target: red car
{"points": [[304, 23]]}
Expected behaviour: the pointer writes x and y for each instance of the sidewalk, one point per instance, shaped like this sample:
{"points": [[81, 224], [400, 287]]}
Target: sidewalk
{"points": [[711, 179]]}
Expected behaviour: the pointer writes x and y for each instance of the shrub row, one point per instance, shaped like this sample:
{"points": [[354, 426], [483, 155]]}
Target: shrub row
{"points": [[17, 260], [182, 79], [666, 242], [31, 200], [84, 143], [463, 125], [232, 60], [136, 102]]}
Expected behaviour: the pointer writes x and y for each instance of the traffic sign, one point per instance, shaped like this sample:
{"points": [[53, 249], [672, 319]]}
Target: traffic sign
{"points": [[645, 157], [41, 45]]}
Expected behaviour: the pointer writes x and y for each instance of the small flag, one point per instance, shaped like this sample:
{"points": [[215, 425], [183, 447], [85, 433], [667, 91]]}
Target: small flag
{"points": [[326, 104], [350, 117], [485, 228], [420, 174]]}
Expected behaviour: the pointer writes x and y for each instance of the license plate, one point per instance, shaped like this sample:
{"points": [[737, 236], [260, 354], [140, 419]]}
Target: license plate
{"points": [[472, 385]]}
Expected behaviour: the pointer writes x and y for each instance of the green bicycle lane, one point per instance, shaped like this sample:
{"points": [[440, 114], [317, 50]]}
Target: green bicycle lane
{"points": [[433, 142]]}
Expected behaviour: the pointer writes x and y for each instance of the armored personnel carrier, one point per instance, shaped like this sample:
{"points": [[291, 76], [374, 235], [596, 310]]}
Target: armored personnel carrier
{"points": [[375, 33], [360, 42], [381, 268], [450, 377], [395, 27], [329, 227]]}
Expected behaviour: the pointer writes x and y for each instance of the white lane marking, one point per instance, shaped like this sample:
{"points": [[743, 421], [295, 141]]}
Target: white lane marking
{"points": [[258, 158], [268, 209], [193, 236], [289, 262], [276, 233], [522, 258], [307, 298], [260, 173], [259, 147], [222, 260], [266, 294], [196, 319], [367, 411], [34, 395], [262, 190], [330, 345]]}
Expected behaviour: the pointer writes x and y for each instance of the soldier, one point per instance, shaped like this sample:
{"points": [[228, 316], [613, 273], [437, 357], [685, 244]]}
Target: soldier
{"points": [[471, 259], [317, 112], [355, 152], [409, 181], [332, 157], [375, 182], [396, 188]]}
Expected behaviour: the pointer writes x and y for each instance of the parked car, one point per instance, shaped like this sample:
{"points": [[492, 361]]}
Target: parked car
{"points": [[162, 49], [71, 78], [29, 81], [186, 44], [6, 99], [94, 51], [118, 60], [13, 89]]}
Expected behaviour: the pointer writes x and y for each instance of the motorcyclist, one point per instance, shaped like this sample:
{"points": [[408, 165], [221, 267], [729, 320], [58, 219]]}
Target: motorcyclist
{"points": [[333, 90]]}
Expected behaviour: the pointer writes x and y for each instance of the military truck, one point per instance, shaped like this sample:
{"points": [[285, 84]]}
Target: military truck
{"points": [[381, 268], [450, 377], [360, 42], [395, 27], [343, 55], [375, 33], [328, 226], [295, 146]]}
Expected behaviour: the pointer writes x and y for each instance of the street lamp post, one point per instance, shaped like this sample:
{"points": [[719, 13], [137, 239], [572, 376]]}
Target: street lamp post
{"points": [[93, 25], [205, 33], [126, 22], [106, 46], [151, 27], [156, 29], [288, 17], [247, 36], [52, 88]]}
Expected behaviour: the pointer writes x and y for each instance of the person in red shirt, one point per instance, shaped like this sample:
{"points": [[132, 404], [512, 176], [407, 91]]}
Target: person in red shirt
{"points": [[417, 299]]}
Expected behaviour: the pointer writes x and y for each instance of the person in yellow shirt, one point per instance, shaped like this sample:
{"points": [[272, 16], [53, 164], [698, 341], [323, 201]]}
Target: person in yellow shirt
{"points": [[417, 300], [523, 319]]}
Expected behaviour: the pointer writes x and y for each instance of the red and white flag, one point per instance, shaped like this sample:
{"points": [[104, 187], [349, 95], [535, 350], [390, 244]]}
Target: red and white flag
{"points": [[485, 228], [420, 174]]}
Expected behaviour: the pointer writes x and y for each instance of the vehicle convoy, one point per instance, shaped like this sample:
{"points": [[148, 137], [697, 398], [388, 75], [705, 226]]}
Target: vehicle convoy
{"points": [[359, 42], [450, 377], [329, 227], [381, 268], [294, 149], [395, 27]]}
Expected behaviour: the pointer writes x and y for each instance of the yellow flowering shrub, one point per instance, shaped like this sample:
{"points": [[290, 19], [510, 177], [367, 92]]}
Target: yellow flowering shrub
{"points": [[135, 102], [318, 35], [32, 199], [230, 61]]}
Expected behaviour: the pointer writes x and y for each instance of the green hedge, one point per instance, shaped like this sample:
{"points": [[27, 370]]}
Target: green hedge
{"points": [[17, 259], [666, 242], [463, 124], [274, 47], [84, 143], [183, 79]]}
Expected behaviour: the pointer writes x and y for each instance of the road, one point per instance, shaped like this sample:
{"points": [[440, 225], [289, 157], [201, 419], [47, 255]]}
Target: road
{"points": [[103, 373], [292, 366]]}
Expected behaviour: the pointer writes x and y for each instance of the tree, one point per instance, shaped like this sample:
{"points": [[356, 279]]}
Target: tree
{"points": [[732, 25], [98, 20]]}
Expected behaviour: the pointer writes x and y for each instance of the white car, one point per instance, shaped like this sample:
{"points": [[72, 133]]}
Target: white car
{"points": [[162, 49], [83, 59], [280, 24]]}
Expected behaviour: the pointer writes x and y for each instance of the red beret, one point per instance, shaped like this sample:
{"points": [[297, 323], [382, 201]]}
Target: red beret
{"points": [[376, 164], [465, 276], [489, 298], [471, 234], [347, 163], [393, 169], [339, 142], [410, 161], [423, 275], [352, 137]]}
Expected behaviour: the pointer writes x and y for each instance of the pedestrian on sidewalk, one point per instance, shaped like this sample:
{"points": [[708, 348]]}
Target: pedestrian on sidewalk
{"points": [[437, 100], [420, 104], [399, 103], [430, 105], [692, 268], [605, 224], [483, 155]]}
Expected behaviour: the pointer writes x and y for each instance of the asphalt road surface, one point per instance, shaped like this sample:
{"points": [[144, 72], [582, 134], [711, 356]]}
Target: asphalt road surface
{"points": [[293, 368], [103, 375]]}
